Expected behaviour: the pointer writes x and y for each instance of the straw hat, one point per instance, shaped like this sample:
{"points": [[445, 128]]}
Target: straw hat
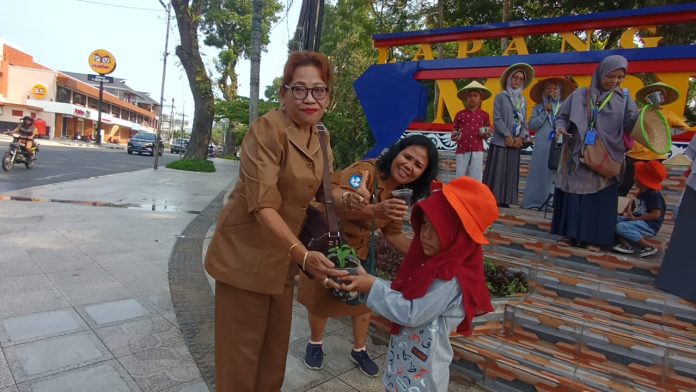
{"points": [[651, 174], [671, 94], [475, 205], [537, 92], [474, 85], [526, 68]]}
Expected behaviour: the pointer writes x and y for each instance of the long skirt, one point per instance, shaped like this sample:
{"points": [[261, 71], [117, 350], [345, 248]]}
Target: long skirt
{"points": [[677, 273], [502, 173], [540, 179], [587, 219]]}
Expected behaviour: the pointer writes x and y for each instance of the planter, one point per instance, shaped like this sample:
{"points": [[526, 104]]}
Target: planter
{"points": [[351, 265]]}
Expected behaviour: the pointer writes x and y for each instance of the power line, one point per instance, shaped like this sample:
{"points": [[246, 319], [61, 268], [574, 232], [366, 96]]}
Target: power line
{"points": [[120, 6]]}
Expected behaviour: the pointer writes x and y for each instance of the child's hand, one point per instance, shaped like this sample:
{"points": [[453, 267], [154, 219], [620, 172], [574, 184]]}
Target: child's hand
{"points": [[362, 282]]}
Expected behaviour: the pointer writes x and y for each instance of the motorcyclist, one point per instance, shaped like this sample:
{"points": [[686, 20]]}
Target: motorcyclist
{"points": [[26, 131]]}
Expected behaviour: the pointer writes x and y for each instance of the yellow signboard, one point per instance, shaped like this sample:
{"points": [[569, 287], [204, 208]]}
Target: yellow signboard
{"points": [[102, 62], [39, 91]]}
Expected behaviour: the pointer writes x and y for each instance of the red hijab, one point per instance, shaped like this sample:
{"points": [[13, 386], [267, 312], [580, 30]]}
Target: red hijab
{"points": [[459, 257]]}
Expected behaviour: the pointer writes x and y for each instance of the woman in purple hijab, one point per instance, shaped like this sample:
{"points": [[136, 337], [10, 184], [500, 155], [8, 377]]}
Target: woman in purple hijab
{"points": [[585, 202]]}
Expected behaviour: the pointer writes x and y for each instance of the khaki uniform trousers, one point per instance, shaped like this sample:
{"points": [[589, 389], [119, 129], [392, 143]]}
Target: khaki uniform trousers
{"points": [[252, 334]]}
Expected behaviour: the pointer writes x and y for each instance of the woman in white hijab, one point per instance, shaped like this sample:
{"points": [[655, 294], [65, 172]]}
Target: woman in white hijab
{"points": [[585, 202], [502, 171], [549, 95]]}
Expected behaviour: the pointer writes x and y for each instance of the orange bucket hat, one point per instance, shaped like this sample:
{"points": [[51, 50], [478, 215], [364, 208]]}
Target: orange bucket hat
{"points": [[475, 205], [651, 174]]}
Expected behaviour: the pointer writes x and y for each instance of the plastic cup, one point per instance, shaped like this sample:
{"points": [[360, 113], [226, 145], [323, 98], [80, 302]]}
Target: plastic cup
{"points": [[403, 194]]}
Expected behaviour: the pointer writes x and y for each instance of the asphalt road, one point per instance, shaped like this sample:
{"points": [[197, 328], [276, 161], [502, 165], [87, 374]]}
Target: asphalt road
{"points": [[58, 164]]}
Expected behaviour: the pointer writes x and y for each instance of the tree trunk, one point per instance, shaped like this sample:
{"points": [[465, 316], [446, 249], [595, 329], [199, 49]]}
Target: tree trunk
{"points": [[230, 147], [506, 18], [188, 17], [257, 9]]}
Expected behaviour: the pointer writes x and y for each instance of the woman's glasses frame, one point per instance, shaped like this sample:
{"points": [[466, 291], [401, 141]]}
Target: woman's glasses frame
{"points": [[301, 92]]}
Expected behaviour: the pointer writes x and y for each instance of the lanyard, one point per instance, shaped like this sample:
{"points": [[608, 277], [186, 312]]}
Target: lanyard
{"points": [[595, 110], [553, 113]]}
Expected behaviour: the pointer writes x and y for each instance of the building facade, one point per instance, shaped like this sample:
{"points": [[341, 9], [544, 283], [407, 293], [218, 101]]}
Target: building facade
{"points": [[67, 104]]}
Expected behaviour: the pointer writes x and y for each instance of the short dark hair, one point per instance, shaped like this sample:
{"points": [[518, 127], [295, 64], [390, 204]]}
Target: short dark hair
{"points": [[421, 187]]}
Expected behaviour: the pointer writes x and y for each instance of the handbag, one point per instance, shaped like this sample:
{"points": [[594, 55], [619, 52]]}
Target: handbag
{"points": [[596, 156], [554, 156], [320, 231]]}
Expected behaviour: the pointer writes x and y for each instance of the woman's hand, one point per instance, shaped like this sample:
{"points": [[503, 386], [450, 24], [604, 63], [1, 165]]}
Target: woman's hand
{"points": [[509, 141], [562, 131], [362, 282], [322, 269], [517, 143], [393, 209]]}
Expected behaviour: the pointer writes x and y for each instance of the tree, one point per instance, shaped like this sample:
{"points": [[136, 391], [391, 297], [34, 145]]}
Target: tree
{"points": [[188, 15], [256, 15], [227, 26], [273, 90]]}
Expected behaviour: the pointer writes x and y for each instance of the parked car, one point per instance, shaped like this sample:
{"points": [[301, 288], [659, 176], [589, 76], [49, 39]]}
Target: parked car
{"points": [[143, 142], [179, 146]]}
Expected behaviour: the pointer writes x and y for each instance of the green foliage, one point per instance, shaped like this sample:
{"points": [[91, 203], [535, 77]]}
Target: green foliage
{"points": [[342, 254], [194, 165], [501, 282], [227, 26]]}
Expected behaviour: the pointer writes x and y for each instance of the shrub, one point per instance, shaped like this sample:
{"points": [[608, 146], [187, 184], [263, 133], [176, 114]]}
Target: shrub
{"points": [[194, 165]]}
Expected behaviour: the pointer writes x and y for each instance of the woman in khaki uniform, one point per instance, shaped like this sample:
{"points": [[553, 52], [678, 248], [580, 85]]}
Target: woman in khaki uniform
{"points": [[255, 252], [410, 163]]}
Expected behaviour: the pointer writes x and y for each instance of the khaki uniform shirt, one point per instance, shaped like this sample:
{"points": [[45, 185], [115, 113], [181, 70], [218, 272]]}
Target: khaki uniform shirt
{"points": [[277, 170], [356, 233]]}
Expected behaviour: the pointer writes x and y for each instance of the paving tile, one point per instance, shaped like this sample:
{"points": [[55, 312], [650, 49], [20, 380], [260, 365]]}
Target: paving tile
{"points": [[37, 359], [28, 294], [372, 348], [104, 376], [23, 329], [11, 388], [63, 259], [300, 378], [361, 382], [5, 374], [17, 262], [160, 368], [196, 385], [106, 313], [140, 335], [299, 329], [89, 286], [334, 385]]}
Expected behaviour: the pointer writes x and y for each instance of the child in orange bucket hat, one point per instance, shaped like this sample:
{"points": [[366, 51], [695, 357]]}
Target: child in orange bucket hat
{"points": [[440, 286], [644, 214]]}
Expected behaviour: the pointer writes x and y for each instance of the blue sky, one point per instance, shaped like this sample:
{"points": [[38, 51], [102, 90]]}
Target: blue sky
{"points": [[60, 34]]}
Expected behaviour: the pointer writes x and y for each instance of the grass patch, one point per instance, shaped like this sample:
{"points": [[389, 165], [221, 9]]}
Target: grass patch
{"points": [[194, 165]]}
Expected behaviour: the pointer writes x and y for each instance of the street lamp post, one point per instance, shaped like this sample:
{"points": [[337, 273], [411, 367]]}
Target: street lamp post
{"points": [[164, 73]]}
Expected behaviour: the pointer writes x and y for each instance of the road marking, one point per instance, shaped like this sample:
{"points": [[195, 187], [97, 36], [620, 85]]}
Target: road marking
{"points": [[55, 176]]}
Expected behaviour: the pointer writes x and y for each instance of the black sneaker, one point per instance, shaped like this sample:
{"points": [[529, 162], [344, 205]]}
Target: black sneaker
{"points": [[648, 251], [366, 365], [314, 356], [621, 248]]}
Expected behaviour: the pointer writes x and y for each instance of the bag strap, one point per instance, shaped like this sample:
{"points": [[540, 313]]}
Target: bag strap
{"points": [[331, 220], [371, 262]]}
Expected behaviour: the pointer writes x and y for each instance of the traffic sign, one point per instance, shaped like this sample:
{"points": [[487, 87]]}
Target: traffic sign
{"points": [[100, 78]]}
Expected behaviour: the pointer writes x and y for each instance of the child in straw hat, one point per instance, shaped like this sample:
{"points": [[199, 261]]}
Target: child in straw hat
{"points": [[440, 286], [645, 213], [471, 127]]}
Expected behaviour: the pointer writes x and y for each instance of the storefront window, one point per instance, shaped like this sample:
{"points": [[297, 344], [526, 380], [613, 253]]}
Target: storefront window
{"points": [[92, 103], [115, 111], [79, 99], [63, 94]]}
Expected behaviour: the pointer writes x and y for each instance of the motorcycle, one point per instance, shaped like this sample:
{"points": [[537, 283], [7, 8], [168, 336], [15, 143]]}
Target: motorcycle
{"points": [[18, 153]]}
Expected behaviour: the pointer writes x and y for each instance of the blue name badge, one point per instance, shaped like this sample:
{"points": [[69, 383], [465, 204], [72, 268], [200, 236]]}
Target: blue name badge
{"points": [[590, 137], [355, 181]]}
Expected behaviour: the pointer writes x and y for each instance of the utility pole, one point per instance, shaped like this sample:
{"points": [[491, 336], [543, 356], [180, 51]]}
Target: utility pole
{"points": [[172, 132], [164, 73]]}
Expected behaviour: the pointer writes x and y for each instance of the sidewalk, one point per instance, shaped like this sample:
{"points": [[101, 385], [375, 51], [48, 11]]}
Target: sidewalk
{"points": [[106, 292]]}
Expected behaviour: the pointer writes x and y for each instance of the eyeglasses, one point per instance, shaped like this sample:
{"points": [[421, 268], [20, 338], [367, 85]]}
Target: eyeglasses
{"points": [[300, 92]]}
